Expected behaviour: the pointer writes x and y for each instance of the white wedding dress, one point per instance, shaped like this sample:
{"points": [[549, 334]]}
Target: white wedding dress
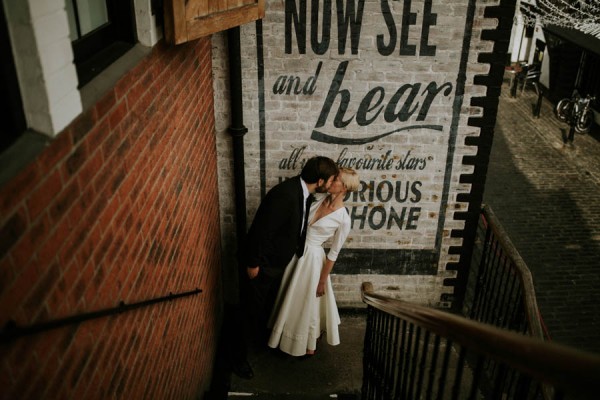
{"points": [[299, 316]]}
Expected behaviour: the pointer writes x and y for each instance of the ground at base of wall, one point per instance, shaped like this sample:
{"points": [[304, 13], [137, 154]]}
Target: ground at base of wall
{"points": [[333, 372]]}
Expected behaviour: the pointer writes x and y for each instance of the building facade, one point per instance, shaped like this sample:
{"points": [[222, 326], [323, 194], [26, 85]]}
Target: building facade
{"points": [[105, 203], [405, 93], [119, 191]]}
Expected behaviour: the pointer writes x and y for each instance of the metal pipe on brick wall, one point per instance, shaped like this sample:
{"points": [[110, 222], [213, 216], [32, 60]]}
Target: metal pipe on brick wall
{"points": [[237, 131], [12, 331]]}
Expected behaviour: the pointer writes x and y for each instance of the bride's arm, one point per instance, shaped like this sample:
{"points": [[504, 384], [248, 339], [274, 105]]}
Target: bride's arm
{"points": [[327, 267], [338, 241]]}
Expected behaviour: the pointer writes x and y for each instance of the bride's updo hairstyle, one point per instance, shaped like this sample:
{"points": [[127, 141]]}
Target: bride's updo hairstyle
{"points": [[350, 179]]}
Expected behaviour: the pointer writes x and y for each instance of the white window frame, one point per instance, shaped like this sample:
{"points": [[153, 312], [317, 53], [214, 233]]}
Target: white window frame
{"points": [[44, 61]]}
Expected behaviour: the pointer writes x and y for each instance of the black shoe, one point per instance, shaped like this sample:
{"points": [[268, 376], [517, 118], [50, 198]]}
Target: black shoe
{"points": [[243, 370]]}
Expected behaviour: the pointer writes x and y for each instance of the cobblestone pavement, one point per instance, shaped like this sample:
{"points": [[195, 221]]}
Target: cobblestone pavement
{"points": [[547, 197]]}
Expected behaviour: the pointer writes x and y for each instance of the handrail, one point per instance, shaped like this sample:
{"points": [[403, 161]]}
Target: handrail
{"points": [[565, 368], [529, 297], [12, 331], [499, 289]]}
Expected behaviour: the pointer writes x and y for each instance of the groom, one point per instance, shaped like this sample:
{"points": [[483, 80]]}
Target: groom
{"points": [[277, 233]]}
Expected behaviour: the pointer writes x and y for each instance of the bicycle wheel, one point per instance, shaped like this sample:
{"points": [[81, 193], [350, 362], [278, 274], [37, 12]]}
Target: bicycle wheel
{"points": [[584, 122], [563, 110]]}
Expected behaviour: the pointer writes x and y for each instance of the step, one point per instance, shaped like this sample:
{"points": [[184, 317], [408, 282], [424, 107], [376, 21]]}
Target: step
{"points": [[291, 396]]}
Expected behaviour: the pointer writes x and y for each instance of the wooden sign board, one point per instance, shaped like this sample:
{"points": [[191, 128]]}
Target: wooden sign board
{"points": [[187, 20]]}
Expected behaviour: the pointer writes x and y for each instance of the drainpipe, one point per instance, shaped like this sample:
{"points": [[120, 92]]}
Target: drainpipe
{"points": [[232, 308], [237, 131]]}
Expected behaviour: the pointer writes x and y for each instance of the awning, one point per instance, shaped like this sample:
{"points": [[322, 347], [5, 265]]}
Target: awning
{"points": [[583, 40]]}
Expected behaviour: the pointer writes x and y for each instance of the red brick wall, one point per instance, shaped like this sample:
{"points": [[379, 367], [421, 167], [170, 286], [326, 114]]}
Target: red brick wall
{"points": [[122, 206]]}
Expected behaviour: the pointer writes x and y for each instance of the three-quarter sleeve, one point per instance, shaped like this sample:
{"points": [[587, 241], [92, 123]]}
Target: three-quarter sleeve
{"points": [[339, 237]]}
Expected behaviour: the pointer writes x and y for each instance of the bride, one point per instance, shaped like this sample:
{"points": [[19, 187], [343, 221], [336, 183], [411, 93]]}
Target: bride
{"points": [[305, 304]]}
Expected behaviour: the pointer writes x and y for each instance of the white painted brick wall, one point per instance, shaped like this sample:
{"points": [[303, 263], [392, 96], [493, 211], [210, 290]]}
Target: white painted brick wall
{"points": [[145, 22], [42, 50], [290, 120]]}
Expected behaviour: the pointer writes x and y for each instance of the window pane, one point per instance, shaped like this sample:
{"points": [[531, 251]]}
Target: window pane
{"points": [[92, 14]]}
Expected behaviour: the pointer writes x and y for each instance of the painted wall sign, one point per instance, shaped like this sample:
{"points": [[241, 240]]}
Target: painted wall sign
{"points": [[377, 86]]}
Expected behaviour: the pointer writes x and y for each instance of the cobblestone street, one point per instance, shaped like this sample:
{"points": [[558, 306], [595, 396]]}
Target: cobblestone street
{"points": [[547, 197]]}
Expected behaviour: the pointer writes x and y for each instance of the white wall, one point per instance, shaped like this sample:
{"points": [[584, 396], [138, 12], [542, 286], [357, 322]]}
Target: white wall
{"points": [[44, 61], [425, 153]]}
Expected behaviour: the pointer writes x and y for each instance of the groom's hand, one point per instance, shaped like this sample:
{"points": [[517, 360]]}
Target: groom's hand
{"points": [[252, 272]]}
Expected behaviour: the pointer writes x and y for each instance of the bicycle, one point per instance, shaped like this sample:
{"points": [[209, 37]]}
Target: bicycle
{"points": [[576, 111], [585, 118]]}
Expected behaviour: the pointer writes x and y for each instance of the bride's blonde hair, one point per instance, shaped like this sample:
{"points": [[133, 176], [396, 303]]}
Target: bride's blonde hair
{"points": [[349, 178]]}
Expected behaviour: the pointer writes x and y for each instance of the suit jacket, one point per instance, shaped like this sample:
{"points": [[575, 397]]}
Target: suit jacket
{"points": [[275, 231]]}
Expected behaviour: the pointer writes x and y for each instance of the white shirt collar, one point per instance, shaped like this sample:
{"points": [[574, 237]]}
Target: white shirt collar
{"points": [[305, 192]]}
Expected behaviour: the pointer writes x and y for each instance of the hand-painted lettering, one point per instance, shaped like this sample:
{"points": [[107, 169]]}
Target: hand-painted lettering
{"points": [[372, 104], [349, 17]]}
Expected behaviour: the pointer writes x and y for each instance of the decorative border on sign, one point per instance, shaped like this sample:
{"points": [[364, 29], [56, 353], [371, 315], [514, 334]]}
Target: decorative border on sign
{"points": [[504, 13]]}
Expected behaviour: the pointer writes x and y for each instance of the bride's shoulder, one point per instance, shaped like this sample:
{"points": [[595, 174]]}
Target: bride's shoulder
{"points": [[345, 217], [343, 212]]}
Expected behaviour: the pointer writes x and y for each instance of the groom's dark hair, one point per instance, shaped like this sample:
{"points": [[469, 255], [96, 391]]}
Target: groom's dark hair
{"points": [[318, 167]]}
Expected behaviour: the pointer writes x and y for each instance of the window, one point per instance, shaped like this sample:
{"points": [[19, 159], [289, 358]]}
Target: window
{"points": [[11, 107], [101, 32]]}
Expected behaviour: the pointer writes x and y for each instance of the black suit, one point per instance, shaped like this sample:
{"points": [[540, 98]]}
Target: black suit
{"points": [[273, 238], [274, 235]]}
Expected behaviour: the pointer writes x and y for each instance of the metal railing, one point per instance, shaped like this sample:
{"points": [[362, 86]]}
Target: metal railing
{"points": [[500, 288], [416, 352], [498, 352]]}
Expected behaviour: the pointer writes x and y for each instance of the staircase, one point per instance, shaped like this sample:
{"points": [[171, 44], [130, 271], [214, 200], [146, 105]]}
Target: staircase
{"points": [[499, 352], [267, 396], [398, 350]]}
